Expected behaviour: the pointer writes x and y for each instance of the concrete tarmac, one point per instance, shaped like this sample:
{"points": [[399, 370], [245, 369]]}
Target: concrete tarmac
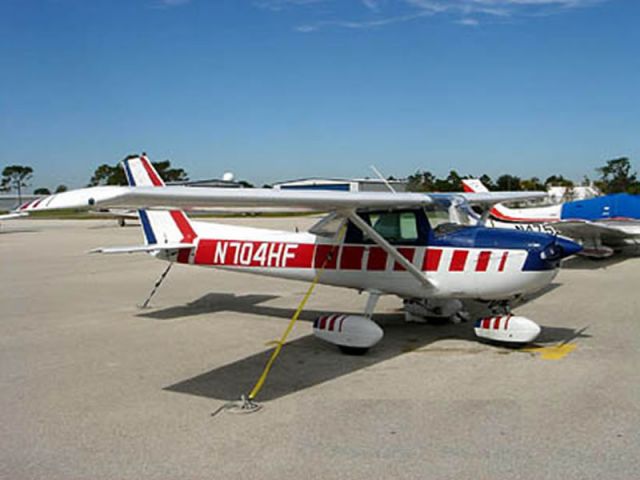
{"points": [[92, 387]]}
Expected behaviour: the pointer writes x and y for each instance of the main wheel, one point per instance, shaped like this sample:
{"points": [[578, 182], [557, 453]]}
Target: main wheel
{"points": [[353, 350]]}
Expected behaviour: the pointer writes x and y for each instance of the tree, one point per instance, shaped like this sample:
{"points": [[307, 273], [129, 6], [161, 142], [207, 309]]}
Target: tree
{"points": [[616, 176], [531, 184], [61, 188], [454, 182], [508, 182], [108, 175], [169, 174], [16, 177], [421, 181], [42, 191], [487, 182], [114, 175], [557, 181]]}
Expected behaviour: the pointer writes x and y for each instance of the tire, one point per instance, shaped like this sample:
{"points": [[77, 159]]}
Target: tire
{"points": [[355, 351]]}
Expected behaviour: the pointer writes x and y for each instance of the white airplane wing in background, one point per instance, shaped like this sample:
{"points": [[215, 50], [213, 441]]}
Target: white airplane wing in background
{"points": [[190, 198], [10, 216]]}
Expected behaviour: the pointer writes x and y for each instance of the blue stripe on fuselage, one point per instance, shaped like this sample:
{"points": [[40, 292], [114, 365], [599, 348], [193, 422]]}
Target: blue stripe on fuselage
{"points": [[146, 226]]}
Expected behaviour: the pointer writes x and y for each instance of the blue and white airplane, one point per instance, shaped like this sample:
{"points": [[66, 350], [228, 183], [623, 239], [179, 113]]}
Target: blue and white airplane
{"points": [[380, 243], [602, 225]]}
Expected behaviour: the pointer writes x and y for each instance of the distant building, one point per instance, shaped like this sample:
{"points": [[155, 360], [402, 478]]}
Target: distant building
{"points": [[214, 182], [342, 184]]}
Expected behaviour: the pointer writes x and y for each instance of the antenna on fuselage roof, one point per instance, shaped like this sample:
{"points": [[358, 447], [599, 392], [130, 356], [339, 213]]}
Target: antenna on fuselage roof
{"points": [[381, 177]]}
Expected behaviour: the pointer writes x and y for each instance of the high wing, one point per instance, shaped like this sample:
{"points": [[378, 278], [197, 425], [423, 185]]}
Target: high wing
{"points": [[190, 198]]}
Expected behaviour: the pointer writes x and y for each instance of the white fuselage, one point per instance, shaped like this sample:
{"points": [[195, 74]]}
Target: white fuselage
{"points": [[483, 273]]}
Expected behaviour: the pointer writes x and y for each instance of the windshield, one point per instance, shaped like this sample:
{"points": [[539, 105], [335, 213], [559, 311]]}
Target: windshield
{"points": [[437, 214]]}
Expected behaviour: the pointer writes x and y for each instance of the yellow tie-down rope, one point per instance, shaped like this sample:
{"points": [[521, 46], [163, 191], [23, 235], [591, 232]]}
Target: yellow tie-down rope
{"points": [[279, 344]]}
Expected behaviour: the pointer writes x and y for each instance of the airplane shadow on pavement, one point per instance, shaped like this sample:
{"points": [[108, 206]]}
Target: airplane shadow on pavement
{"points": [[307, 361]]}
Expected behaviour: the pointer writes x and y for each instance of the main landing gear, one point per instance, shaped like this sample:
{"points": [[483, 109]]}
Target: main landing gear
{"points": [[422, 310]]}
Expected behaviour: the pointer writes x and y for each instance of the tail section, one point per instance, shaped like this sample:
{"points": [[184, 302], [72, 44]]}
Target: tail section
{"points": [[160, 227], [140, 172], [473, 185]]}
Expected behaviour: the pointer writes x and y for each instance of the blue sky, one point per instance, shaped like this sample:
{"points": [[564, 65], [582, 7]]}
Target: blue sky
{"points": [[274, 89]]}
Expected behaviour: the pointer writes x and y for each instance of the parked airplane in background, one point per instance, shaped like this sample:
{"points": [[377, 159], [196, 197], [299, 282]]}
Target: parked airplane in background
{"points": [[379, 243], [602, 225], [12, 215]]}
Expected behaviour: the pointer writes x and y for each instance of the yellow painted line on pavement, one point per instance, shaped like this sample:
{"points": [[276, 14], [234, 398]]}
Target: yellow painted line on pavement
{"points": [[555, 352]]}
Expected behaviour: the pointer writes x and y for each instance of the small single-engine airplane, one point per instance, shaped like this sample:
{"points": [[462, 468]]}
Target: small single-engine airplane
{"points": [[602, 225], [379, 243]]}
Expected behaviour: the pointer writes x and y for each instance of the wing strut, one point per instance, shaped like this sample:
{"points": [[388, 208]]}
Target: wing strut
{"points": [[387, 247]]}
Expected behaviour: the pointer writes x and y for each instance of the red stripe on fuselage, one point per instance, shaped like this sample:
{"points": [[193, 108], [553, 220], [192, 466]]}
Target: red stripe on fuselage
{"points": [[407, 253], [204, 252], [458, 260], [431, 261], [247, 253], [183, 255], [238, 253], [377, 259], [503, 261], [351, 258], [326, 256], [483, 261]]}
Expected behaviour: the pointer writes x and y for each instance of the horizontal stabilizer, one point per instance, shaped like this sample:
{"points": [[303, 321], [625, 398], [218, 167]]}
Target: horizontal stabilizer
{"points": [[144, 248]]}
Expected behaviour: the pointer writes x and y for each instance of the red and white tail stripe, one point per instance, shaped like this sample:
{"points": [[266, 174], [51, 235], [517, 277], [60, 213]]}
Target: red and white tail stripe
{"points": [[140, 172], [159, 226]]}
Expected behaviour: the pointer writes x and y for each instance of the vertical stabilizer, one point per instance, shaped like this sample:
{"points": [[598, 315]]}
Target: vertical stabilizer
{"points": [[158, 226]]}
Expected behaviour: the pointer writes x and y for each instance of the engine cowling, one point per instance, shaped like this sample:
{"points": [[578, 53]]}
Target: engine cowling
{"points": [[507, 328], [351, 331]]}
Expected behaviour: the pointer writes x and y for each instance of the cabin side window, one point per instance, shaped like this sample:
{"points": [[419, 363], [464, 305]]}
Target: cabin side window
{"points": [[395, 227], [398, 227]]}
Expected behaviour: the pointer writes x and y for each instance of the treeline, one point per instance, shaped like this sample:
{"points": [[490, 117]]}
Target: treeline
{"points": [[615, 176]]}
